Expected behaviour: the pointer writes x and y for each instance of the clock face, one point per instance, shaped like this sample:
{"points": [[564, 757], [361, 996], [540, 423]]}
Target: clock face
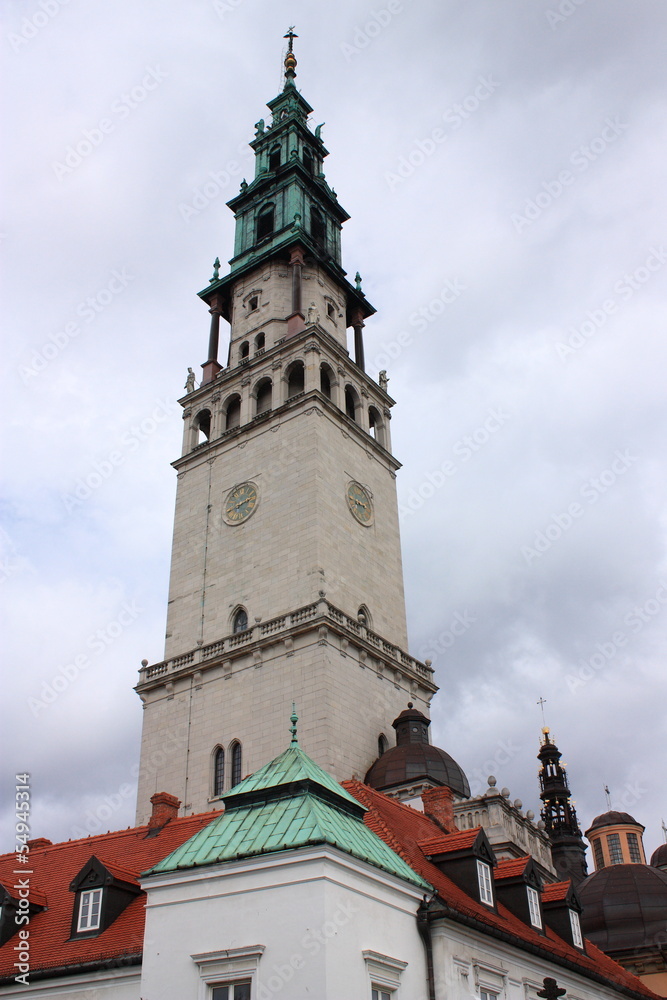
{"points": [[240, 503], [360, 503]]}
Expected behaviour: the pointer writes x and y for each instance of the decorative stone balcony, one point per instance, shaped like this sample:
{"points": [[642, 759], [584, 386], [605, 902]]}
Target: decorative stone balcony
{"points": [[372, 648]]}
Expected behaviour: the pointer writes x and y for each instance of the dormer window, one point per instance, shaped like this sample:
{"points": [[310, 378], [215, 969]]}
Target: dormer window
{"points": [[534, 907], [484, 883], [575, 926], [102, 892], [90, 909]]}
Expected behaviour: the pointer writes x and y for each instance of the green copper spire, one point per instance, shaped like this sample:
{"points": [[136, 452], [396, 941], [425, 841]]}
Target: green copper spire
{"points": [[290, 58]]}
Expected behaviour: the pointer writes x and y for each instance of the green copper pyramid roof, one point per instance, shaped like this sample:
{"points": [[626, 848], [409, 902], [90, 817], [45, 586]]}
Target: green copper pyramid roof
{"points": [[289, 803]]}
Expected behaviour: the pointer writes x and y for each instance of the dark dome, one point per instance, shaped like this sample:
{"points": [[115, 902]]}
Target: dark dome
{"points": [[659, 857], [625, 906], [612, 818], [414, 761]]}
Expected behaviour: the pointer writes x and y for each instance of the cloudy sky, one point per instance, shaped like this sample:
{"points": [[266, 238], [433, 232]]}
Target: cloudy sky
{"points": [[503, 164]]}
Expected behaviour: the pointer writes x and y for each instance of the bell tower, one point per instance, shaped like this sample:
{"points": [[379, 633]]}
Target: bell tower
{"points": [[286, 579]]}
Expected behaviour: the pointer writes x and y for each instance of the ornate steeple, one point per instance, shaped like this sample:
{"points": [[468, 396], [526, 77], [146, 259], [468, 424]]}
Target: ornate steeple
{"points": [[560, 819], [287, 213]]}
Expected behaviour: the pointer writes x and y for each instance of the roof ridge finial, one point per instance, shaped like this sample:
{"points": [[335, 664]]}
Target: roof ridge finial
{"points": [[290, 58], [294, 718]]}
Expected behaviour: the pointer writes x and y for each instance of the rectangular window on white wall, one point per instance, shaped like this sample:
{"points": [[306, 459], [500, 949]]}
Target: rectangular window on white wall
{"points": [[379, 994], [230, 974], [232, 991], [487, 995], [384, 973]]}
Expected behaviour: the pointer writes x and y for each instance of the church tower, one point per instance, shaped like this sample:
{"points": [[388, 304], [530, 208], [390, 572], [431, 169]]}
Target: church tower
{"points": [[568, 850], [286, 580]]}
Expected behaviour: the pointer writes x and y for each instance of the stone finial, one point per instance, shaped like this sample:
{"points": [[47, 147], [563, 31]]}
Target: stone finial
{"points": [[551, 991], [216, 270]]}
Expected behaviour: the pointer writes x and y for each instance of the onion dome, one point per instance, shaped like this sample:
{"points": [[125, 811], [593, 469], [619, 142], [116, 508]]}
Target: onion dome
{"points": [[414, 759], [659, 857], [613, 818], [624, 907]]}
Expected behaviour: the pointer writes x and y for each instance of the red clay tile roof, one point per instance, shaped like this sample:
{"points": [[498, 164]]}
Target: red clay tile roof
{"points": [[126, 854], [406, 830], [555, 890], [511, 867], [448, 842]]}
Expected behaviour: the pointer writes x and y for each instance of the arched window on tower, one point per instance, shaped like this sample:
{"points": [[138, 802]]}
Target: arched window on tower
{"points": [[274, 157], [237, 762], [233, 412], [240, 620], [265, 222], [350, 402], [264, 396], [203, 426], [218, 771], [325, 380], [318, 228], [382, 744], [295, 379], [244, 350], [376, 425], [308, 159], [260, 341]]}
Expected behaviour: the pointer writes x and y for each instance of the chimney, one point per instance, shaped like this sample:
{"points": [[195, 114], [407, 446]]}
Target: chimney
{"points": [[165, 807], [439, 806]]}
